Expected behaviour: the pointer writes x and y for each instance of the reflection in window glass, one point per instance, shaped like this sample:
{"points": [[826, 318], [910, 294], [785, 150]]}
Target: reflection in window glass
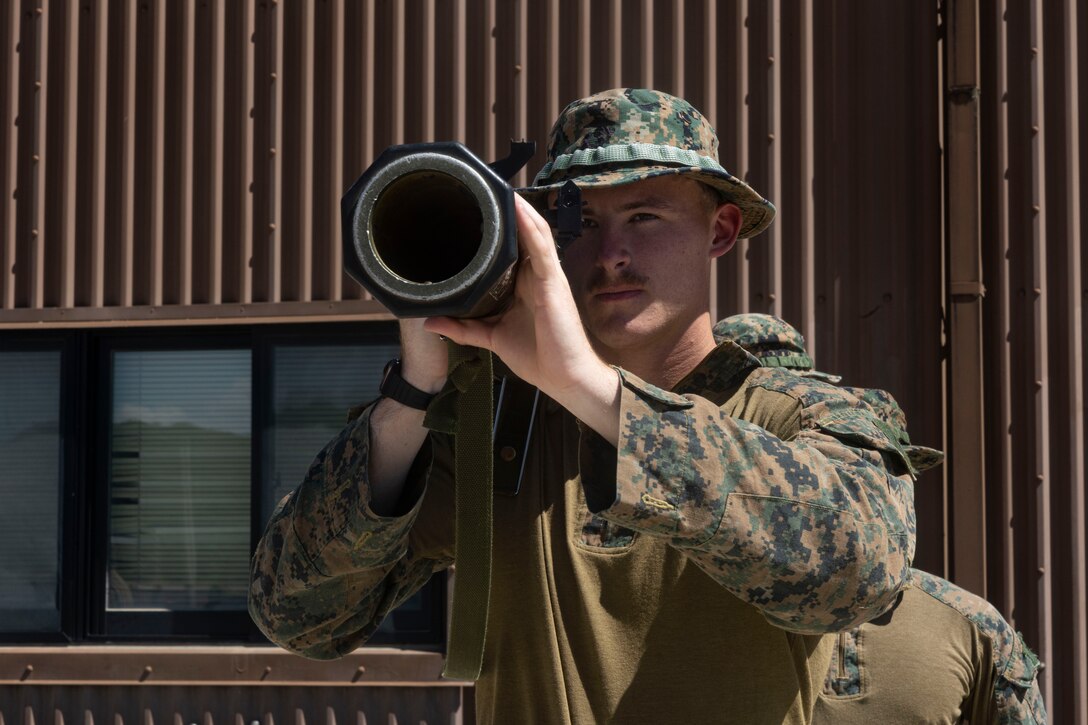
{"points": [[30, 451], [180, 480], [313, 387]]}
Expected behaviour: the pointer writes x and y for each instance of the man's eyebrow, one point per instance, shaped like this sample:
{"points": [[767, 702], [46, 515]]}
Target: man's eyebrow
{"points": [[644, 202]]}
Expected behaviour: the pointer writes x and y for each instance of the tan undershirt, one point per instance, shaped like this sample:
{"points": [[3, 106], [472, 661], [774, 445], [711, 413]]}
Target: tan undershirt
{"points": [[922, 662]]}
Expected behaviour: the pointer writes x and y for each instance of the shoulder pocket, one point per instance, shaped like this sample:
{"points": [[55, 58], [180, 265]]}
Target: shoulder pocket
{"points": [[1016, 692], [844, 675], [862, 429], [1023, 667]]}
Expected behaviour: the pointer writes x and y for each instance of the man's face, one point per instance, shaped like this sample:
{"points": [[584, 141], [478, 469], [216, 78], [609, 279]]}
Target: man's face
{"points": [[640, 273]]}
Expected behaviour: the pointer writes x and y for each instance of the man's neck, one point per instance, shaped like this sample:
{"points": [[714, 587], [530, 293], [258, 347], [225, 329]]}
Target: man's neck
{"points": [[666, 362]]}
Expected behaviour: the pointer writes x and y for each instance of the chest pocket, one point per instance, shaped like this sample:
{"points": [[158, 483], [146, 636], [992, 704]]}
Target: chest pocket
{"points": [[599, 533], [595, 533]]}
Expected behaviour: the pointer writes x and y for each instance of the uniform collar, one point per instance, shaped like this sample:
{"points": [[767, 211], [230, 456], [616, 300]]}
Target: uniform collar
{"points": [[720, 370]]}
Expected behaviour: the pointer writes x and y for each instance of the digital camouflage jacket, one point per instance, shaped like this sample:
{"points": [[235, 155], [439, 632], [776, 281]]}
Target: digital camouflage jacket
{"points": [[684, 577], [940, 641]]}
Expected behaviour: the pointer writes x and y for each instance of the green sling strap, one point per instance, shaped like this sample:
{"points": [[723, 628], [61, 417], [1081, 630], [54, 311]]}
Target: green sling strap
{"points": [[470, 372]]}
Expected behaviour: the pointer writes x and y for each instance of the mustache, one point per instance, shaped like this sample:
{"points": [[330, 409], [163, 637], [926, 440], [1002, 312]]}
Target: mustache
{"points": [[601, 280]]}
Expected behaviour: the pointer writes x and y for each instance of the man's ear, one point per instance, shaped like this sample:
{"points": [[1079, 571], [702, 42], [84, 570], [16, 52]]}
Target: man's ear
{"points": [[727, 221]]}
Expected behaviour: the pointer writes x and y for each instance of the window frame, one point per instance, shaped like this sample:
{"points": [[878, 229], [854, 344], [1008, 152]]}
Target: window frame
{"points": [[136, 625], [86, 394]]}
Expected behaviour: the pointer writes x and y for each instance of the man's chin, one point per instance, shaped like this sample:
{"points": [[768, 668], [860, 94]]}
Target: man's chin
{"points": [[620, 335]]}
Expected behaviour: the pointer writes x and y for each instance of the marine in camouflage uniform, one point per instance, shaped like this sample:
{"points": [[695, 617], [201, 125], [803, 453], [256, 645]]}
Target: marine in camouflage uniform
{"points": [[939, 640], [687, 573]]}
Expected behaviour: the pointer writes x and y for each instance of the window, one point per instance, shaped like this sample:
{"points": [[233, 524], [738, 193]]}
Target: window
{"points": [[31, 488], [141, 467], [179, 480]]}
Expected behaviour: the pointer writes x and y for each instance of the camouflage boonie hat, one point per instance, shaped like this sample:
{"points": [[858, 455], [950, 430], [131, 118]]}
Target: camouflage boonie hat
{"points": [[630, 134], [773, 340]]}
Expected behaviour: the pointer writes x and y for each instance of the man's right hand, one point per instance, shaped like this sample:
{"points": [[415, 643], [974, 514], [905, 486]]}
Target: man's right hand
{"points": [[540, 337]]}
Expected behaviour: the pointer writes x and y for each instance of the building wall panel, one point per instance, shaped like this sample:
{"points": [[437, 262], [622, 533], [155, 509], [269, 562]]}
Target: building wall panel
{"points": [[10, 27], [1032, 192], [157, 705]]}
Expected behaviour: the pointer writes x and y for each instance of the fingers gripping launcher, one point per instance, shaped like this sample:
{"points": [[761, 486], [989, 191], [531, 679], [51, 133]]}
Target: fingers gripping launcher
{"points": [[430, 230]]}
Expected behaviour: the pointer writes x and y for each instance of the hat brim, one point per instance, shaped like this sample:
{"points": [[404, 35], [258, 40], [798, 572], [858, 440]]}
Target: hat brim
{"points": [[756, 211]]}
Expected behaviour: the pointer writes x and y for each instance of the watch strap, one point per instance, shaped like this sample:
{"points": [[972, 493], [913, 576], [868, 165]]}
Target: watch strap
{"points": [[395, 387]]}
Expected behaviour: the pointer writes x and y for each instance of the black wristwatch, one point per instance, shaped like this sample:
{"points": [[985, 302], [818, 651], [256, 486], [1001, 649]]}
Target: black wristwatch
{"points": [[397, 388]]}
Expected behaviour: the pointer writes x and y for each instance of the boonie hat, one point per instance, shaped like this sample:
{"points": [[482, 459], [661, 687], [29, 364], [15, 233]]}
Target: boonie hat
{"points": [[630, 134], [774, 341]]}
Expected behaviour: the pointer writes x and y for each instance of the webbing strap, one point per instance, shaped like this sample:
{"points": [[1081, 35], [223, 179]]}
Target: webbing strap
{"points": [[797, 361], [470, 372]]}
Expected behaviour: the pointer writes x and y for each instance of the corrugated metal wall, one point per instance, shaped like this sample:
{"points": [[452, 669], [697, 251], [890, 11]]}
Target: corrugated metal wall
{"points": [[1034, 267], [192, 705], [183, 159]]}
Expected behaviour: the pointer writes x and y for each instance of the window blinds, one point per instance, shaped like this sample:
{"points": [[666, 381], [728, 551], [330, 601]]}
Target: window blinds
{"points": [[180, 480]]}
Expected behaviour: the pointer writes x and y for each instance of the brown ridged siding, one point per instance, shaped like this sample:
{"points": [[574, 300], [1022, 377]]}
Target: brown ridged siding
{"points": [[195, 705], [1034, 267], [183, 160]]}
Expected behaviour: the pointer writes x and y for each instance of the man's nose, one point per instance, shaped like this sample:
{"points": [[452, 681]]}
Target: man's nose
{"points": [[613, 251]]}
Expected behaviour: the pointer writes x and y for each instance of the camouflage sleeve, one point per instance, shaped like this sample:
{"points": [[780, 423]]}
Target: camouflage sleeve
{"points": [[328, 569], [1012, 695], [810, 531]]}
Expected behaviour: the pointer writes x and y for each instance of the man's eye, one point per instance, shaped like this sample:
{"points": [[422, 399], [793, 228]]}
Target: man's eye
{"points": [[589, 223], [643, 217]]}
